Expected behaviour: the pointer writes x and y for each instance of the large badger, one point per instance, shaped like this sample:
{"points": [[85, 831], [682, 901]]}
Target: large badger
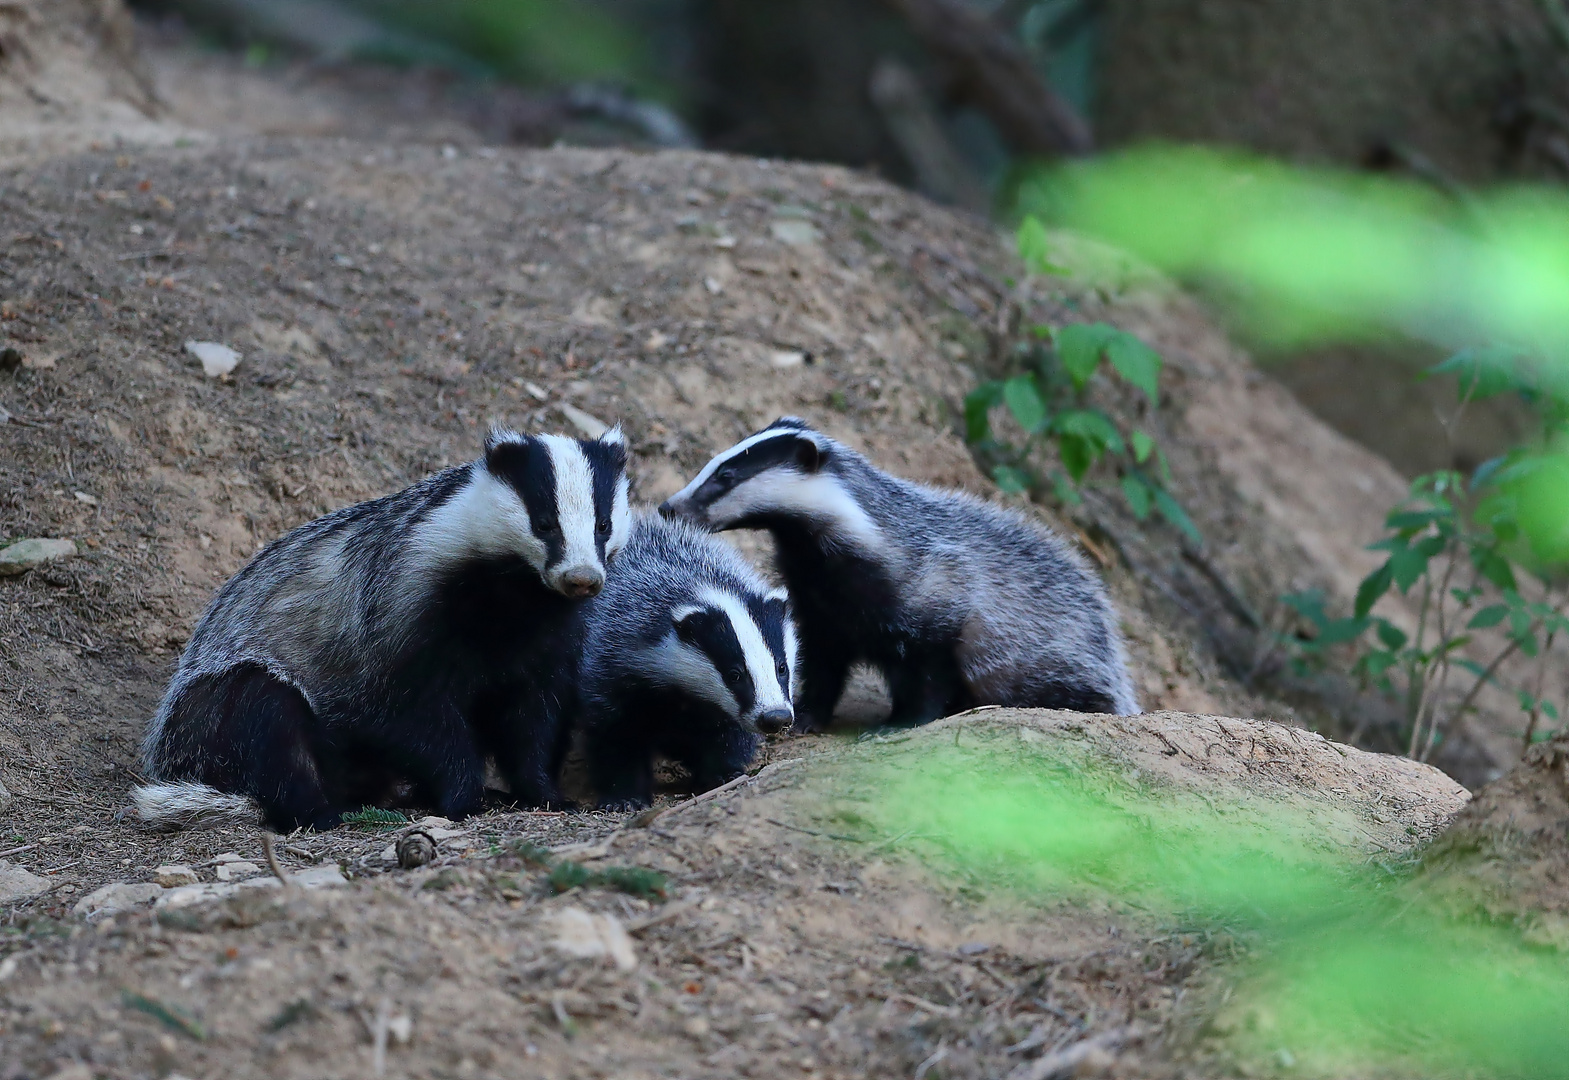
{"points": [[958, 602], [400, 640], [686, 653]]}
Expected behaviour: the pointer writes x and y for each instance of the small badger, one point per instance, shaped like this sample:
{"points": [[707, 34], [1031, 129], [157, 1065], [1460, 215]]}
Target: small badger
{"points": [[396, 641], [687, 654], [958, 602]]}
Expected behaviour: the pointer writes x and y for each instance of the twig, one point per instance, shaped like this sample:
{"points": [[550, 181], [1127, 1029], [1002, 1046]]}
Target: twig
{"points": [[379, 1036], [272, 860], [723, 788], [17, 850], [814, 832], [1064, 1062], [664, 915], [921, 1003]]}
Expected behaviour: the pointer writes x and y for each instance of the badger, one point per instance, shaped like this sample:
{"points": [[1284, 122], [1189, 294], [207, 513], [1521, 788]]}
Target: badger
{"points": [[686, 653], [956, 601], [394, 643]]}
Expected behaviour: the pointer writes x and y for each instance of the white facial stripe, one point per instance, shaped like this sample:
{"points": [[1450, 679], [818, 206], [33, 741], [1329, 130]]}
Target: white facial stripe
{"points": [[759, 658], [678, 664], [485, 517], [792, 648], [739, 448], [574, 502], [818, 497], [620, 518]]}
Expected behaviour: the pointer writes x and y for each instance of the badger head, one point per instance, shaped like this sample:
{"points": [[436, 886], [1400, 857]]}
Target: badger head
{"points": [[560, 504], [786, 472], [738, 652]]}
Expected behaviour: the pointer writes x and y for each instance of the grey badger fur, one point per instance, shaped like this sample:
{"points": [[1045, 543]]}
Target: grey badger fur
{"points": [[958, 602], [686, 653], [400, 640]]}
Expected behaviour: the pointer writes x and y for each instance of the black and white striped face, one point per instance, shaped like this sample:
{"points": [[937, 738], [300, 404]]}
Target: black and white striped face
{"points": [[561, 504], [737, 652], [785, 471]]}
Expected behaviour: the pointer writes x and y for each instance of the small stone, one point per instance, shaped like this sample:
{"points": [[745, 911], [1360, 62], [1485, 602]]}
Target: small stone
{"points": [[787, 358], [6, 799], [77, 1071], [10, 358], [24, 555], [591, 426], [795, 233], [233, 871], [172, 877], [588, 936], [217, 360], [120, 896], [227, 856], [696, 1027], [18, 884], [416, 849]]}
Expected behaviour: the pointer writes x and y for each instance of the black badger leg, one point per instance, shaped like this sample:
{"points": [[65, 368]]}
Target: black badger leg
{"points": [[247, 732], [824, 672], [925, 687], [522, 728]]}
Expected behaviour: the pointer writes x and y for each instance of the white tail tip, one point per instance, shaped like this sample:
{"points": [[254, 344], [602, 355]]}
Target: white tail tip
{"points": [[185, 804]]}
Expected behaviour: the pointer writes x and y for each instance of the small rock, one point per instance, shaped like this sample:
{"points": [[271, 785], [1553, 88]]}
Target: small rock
{"points": [[18, 884], [787, 358], [227, 856], [325, 876], [795, 233], [590, 426], [77, 1071], [588, 936], [172, 877], [696, 1026], [6, 799], [233, 871], [118, 897], [24, 555], [416, 849], [217, 360], [10, 358]]}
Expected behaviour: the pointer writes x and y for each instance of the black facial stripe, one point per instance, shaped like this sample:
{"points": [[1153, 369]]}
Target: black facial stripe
{"points": [[528, 468], [770, 618], [607, 463], [754, 460], [711, 632]]}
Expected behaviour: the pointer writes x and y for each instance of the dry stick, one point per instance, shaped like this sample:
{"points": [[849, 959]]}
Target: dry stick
{"points": [[272, 860], [1443, 662], [731, 786], [379, 1036]]}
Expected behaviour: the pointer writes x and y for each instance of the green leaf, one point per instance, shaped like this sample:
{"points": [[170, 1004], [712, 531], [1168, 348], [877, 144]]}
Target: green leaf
{"points": [[1091, 424], [1407, 567], [1143, 446], [1551, 710], [1341, 631], [977, 408], [1013, 481], [1372, 588], [1309, 604], [1024, 402], [1035, 247], [1080, 347], [1494, 567], [1078, 454], [1391, 635], [1412, 522], [1483, 373], [1137, 492], [1172, 511], [1137, 363], [1488, 617]]}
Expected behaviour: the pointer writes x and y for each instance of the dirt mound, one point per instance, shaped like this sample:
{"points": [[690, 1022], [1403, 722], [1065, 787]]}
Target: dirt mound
{"points": [[70, 76], [782, 943], [1505, 855]]}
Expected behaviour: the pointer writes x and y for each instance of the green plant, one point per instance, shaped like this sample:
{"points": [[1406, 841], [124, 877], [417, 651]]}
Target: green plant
{"points": [[1484, 588], [1048, 400], [374, 817]]}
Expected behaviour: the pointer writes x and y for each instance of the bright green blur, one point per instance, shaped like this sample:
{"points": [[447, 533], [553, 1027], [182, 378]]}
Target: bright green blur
{"points": [[1349, 976], [1317, 257]]}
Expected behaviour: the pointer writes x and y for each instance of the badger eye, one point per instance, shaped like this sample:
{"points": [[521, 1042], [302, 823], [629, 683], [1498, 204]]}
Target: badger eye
{"points": [[782, 670], [603, 528], [549, 526], [734, 675]]}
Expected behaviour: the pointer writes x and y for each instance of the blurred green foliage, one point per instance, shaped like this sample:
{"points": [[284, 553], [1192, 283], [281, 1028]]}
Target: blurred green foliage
{"points": [[531, 42], [1348, 969]]}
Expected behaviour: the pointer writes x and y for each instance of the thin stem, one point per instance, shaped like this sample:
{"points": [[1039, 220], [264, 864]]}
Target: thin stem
{"points": [[1416, 686], [1485, 677]]}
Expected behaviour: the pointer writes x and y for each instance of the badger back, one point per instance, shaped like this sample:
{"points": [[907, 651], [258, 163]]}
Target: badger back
{"points": [[560, 504]]}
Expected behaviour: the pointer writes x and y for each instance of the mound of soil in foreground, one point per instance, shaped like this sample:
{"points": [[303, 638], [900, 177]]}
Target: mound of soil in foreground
{"points": [[795, 937]]}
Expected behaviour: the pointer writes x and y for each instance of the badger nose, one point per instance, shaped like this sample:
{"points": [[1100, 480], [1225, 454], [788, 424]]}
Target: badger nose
{"points": [[774, 721], [667, 509], [582, 583]]}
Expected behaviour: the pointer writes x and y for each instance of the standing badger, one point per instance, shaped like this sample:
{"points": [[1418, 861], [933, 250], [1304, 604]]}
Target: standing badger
{"points": [[958, 602], [398, 640], [687, 654]]}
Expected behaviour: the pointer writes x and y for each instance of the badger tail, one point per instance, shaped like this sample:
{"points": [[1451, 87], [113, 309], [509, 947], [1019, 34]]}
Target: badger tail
{"points": [[185, 804]]}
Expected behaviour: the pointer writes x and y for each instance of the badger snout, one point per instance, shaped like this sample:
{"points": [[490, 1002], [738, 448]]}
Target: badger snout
{"points": [[669, 510], [773, 721], [581, 582]]}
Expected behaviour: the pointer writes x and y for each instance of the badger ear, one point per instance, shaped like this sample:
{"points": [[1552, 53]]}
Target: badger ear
{"points": [[795, 423], [809, 453], [503, 443], [614, 437], [778, 598]]}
